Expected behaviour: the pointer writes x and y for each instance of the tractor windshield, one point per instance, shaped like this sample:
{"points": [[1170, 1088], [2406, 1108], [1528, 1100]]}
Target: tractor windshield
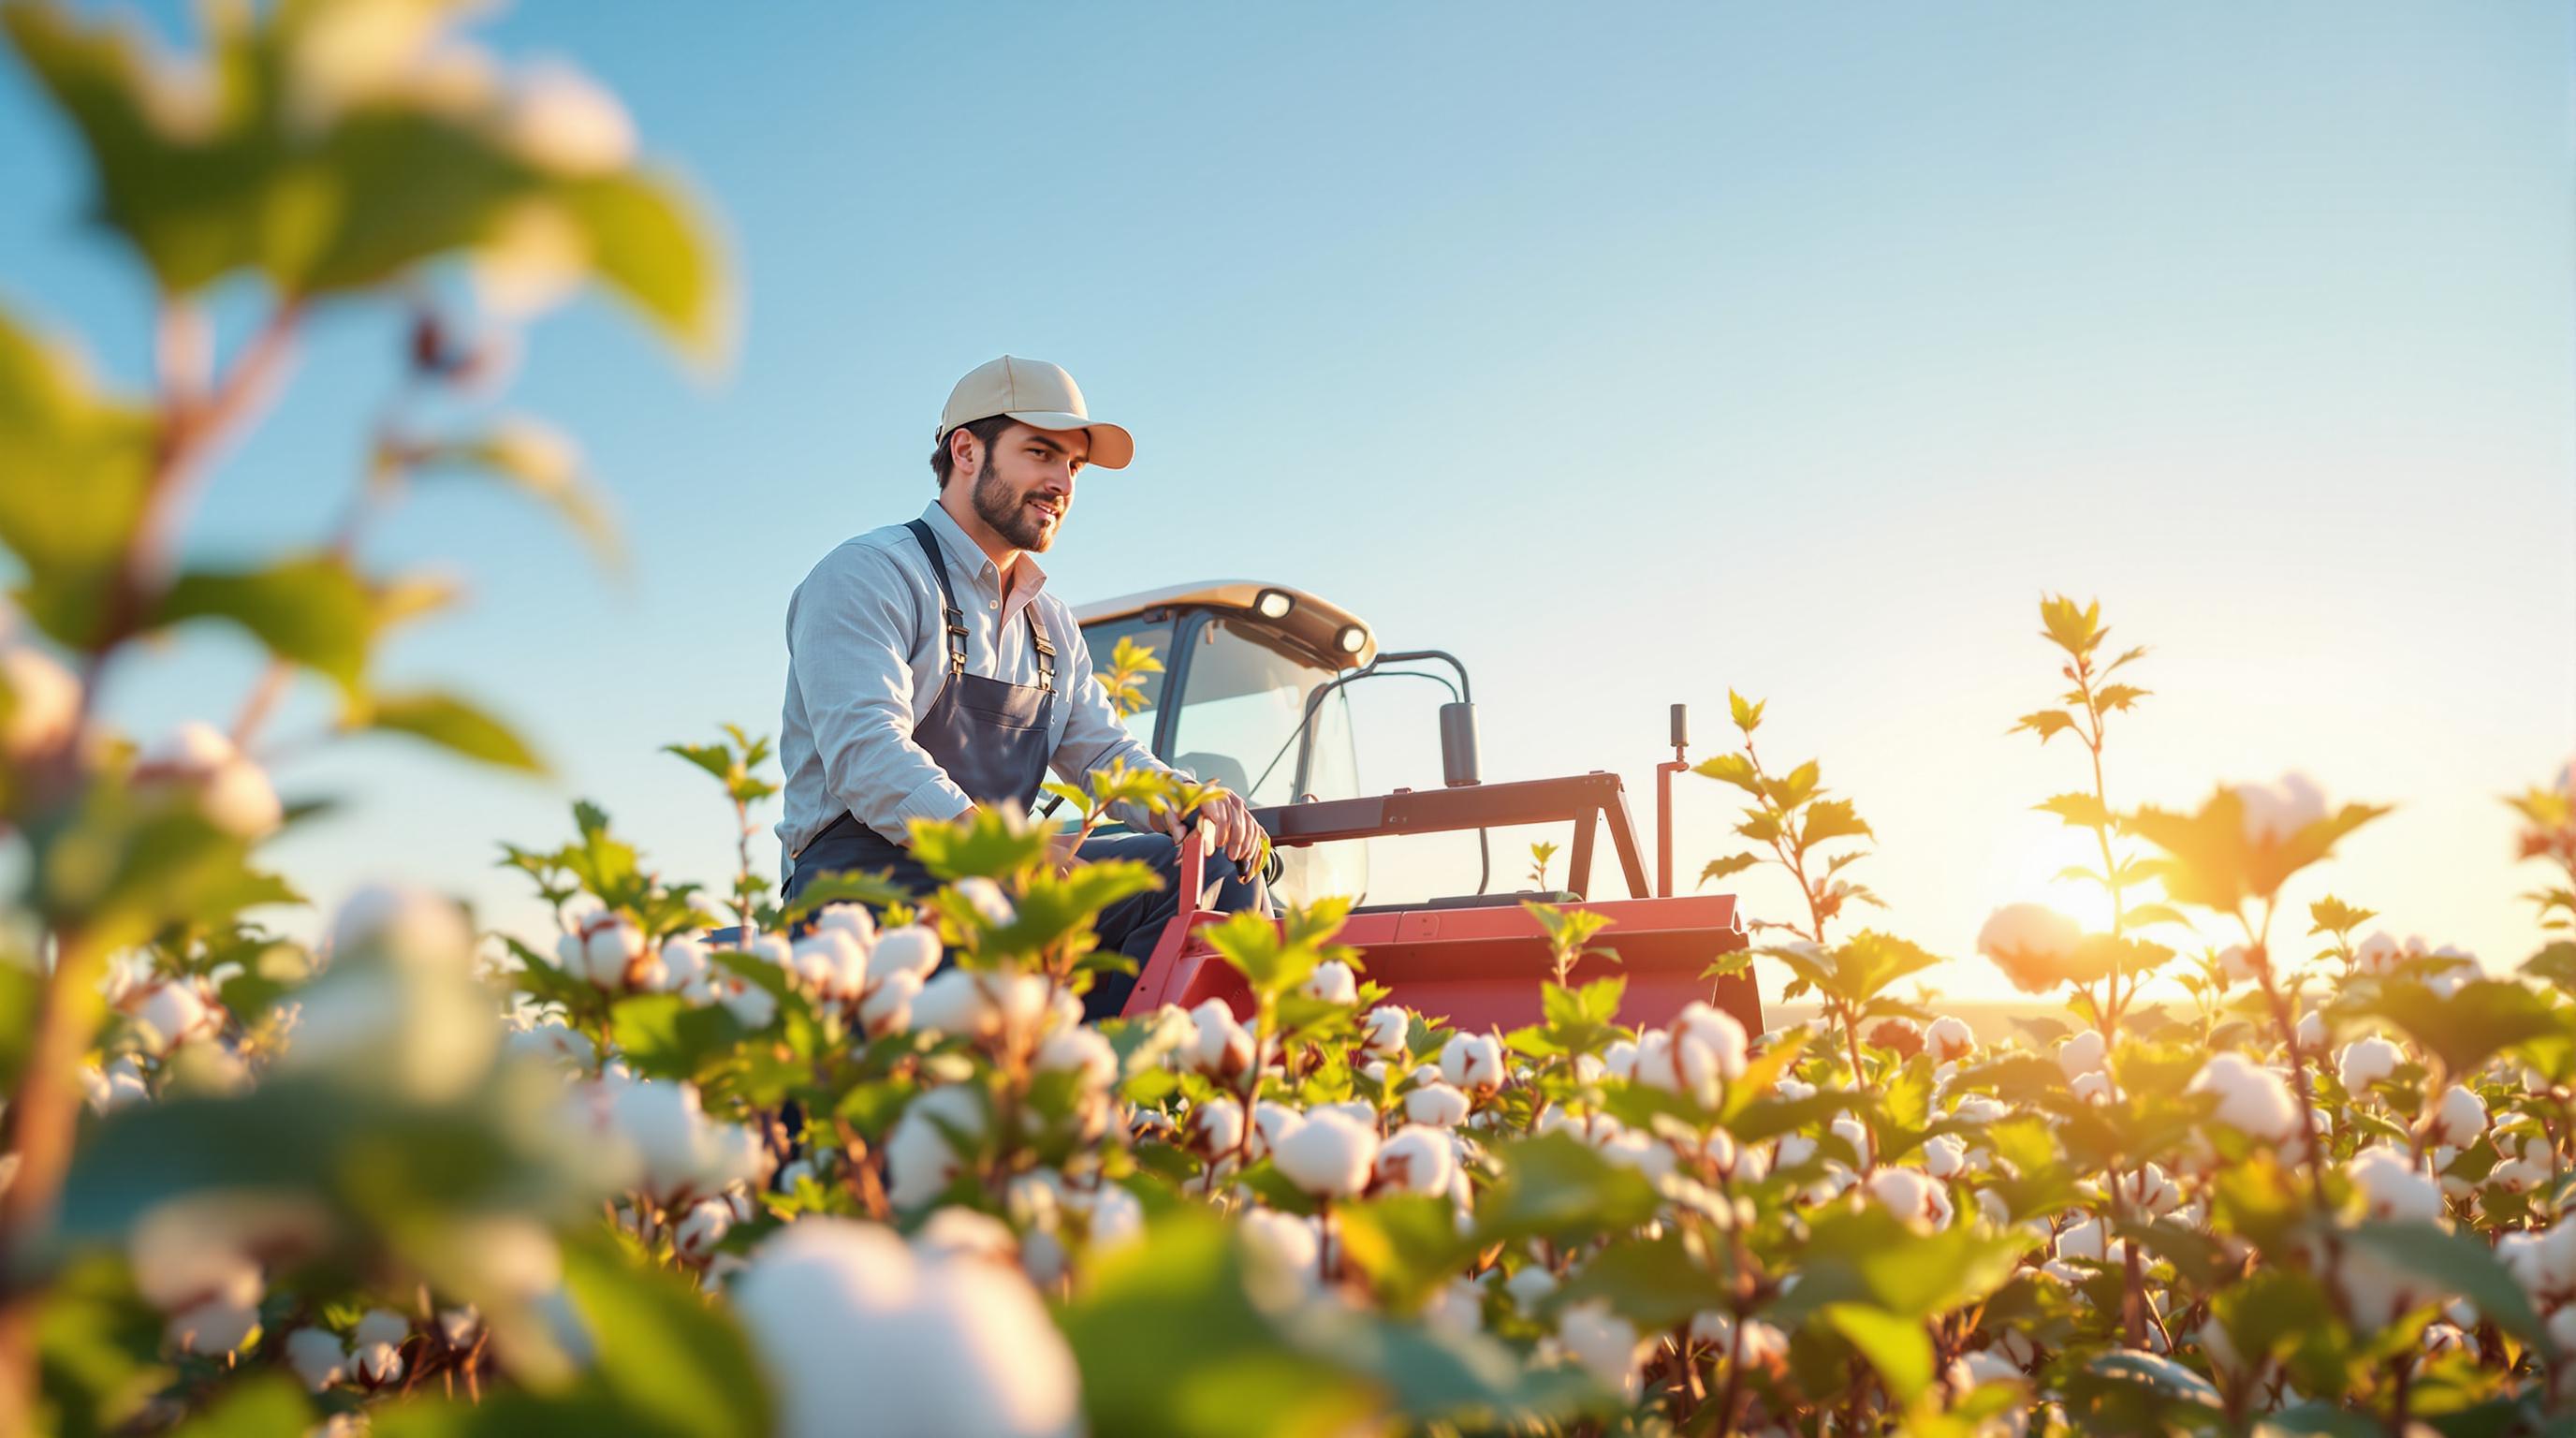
{"points": [[1244, 696]]}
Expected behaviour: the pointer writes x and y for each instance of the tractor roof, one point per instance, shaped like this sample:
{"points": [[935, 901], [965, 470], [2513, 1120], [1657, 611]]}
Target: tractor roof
{"points": [[1313, 622]]}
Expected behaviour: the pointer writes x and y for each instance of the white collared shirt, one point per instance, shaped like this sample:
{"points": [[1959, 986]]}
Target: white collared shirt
{"points": [[866, 657]]}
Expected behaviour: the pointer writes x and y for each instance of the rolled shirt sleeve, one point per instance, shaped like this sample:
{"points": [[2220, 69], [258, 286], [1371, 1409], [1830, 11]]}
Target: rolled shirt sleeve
{"points": [[854, 623]]}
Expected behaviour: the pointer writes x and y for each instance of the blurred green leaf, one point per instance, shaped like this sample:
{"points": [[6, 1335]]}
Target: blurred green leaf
{"points": [[259, 1407], [99, 1346], [2459, 1263], [666, 1036], [656, 248], [2466, 1027], [1653, 1283], [448, 722], [77, 464], [311, 610], [1897, 1347], [1556, 1186]]}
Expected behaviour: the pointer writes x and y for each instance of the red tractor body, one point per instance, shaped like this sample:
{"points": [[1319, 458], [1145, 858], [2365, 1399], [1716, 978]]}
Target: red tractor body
{"points": [[1477, 960]]}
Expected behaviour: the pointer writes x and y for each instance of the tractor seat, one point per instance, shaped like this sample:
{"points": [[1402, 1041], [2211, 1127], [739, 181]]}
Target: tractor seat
{"points": [[1476, 901]]}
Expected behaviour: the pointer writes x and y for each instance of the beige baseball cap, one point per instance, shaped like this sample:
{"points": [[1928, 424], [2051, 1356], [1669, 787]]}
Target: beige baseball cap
{"points": [[1036, 394]]}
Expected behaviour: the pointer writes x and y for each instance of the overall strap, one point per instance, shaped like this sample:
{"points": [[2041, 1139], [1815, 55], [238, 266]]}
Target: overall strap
{"points": [[1046, 651], [954, 617]]}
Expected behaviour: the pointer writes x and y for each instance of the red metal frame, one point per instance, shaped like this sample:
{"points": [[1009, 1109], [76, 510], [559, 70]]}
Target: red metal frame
{"points": [[1480, 968]]}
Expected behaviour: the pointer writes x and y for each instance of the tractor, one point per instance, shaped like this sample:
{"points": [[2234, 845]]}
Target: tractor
{"points": [[1253, 694]]}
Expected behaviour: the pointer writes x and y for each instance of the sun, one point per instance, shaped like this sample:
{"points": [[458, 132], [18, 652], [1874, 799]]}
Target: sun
{"points": [[2039, 874]]}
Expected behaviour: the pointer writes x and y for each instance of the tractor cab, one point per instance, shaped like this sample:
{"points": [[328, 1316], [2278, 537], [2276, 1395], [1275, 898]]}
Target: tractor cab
{"points": [[1253, 693]]}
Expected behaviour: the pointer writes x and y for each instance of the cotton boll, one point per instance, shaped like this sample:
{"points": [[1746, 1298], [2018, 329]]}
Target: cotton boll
{"points": [[2252, 1100], [2082, 1054], [2311, 1032], [1436, 1104], [410, 928], [888, 1007], [40, 704], [232, 792], [987, 899], [1080, 1051], [1222, 1049], [859, 1336], [2274, 813], [912, 949], [965, 1233], [678, 1152], [1974, 1370], [1417, 1159], [852, 920], [1328, 1154], [1216, 1126], [2460, 1118], [1472, 1062], [1530, 1287], [2087, 1238], [381, 1326], [562, 121], [1718, 1030], [1333, 983], [2392, 1188], [1949, 1040], [1979, 1109], [1944, 1155], [318, 1357], [1605, 1344], [751, 1005], [920, 1160], [215, 1327], [2031, 943], [701, 1229], [169, 1014], [1385, 1031], [1283, 1249], [1619, 1060], [2378, 953], [2237, 964], [1913, 1196], [1635, 1150], [1458, 1308], [2094, 1087], [2366, 1061]]}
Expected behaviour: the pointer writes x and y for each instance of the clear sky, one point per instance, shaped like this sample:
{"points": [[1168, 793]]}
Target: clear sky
{"points": [[1631, 351]]}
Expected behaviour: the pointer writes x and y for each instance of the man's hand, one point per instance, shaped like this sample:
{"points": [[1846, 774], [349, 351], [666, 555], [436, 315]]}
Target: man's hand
{"points": [[1237, 835]]}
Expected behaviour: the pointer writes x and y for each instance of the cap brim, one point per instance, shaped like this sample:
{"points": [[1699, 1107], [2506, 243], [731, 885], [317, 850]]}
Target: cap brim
{"points": [[1111, 446]]}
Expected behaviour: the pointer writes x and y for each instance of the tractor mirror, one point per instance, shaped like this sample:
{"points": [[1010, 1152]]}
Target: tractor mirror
{"points": [[1458, 745]]}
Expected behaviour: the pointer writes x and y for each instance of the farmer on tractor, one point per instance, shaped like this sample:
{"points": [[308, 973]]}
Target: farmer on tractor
{"points": [[929, 671]]}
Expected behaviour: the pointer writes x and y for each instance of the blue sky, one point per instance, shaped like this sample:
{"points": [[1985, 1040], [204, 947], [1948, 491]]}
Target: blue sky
{"points": [[1633, 352]]}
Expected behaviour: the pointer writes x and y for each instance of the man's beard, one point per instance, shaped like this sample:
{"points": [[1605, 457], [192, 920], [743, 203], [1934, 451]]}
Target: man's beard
{"points": [[1009, 514]]}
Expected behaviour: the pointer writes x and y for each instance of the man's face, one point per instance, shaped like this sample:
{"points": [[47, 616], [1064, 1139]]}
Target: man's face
{"points": [[1025, 484]]}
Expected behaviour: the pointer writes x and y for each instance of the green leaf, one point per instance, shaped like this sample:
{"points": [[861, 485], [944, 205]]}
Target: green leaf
{"points": [[1897, 1347], [2080, 811], [77, 464], [99, 1345], [2334, 916], [654, 246], [2047, 723], [1169, 1343], [2472, 1024], [1870, 1256], [1407, 1244], [666, 1036], [1747, 713], [311, 610], [448, 722], [2458, 1263], [2075, 630], [1653, 1283], [1733, 769], [1556, 1186], [1831, 819], [540, 463], [257, 1408], [1732, 864]]}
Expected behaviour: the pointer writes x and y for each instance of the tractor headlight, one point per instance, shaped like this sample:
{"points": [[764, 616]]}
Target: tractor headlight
{"points": [[1352, 639], [1273, 603]]}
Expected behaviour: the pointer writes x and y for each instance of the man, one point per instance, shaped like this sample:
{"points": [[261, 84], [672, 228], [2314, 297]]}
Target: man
{"points": [[929, 671]]}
